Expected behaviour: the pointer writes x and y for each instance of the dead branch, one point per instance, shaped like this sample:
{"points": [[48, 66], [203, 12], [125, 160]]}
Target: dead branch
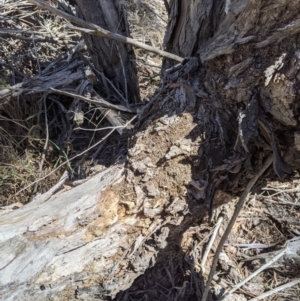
{"points": [[238, 208], [100, 102], [253, 275], [211, 241], [93, 29], [277, 289]]}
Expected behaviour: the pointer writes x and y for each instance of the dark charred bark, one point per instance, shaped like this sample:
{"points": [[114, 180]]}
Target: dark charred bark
{"points": [[236, 97], [115, 61], [244, 46]]}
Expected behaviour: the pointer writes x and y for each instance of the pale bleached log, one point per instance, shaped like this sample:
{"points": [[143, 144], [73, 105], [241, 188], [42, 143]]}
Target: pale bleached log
{"points": [[47, 248]]}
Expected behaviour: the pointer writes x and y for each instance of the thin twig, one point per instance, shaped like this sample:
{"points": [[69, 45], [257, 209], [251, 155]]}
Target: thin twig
{"points": [[282, 202], [282, 190], [277, 289], [211, 241], [104, 77], [99, 130], [252, 246], [193, 264], [78, 155], [124, 75], [74, 49], [36, 54], [93, 29], [99, 102], [45, 145], [262, 268], [238, 208]]}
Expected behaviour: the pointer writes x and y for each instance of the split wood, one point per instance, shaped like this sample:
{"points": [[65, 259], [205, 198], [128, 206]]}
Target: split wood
{"points": [[238, 208], [93, 29]]}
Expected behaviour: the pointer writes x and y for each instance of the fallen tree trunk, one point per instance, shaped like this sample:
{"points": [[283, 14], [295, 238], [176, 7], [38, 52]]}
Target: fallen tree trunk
{"points": [[40, 243]]}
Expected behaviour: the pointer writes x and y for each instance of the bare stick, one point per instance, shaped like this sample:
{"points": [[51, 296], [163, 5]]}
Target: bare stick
{"points": [[46, 144], [282, 190], [252, 246], [277, 289], [74, 49], [99, 102], [282, 202], [211, 241], [253, 274], [238, 208], [94, 29]]}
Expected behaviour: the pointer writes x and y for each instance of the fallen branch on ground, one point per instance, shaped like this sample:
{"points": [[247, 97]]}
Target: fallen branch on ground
{"points": [[211, 241], [253, 275], [277, 289], [238, 208]]}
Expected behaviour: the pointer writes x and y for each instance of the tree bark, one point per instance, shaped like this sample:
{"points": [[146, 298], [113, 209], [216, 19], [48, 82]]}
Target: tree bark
{"points": [[114, 60], [241, 45], [200, 139]]}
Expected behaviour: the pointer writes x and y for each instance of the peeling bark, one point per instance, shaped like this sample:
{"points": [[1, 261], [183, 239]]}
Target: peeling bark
{"points": [[116, 61]]}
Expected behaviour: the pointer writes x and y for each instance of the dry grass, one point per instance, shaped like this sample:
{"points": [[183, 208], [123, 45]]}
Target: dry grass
{"points": [[32, 39], [147, 23]]}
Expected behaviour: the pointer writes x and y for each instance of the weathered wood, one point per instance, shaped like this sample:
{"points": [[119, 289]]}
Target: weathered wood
{"points": [[47, 247], [114, 59], [214, 28], [190, 149], [66, 75], [93, 29]]}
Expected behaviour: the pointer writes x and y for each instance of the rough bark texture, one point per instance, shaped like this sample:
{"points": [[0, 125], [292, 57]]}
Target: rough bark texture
{"points": [[244, 46], [200, 139], [114, 60]]}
